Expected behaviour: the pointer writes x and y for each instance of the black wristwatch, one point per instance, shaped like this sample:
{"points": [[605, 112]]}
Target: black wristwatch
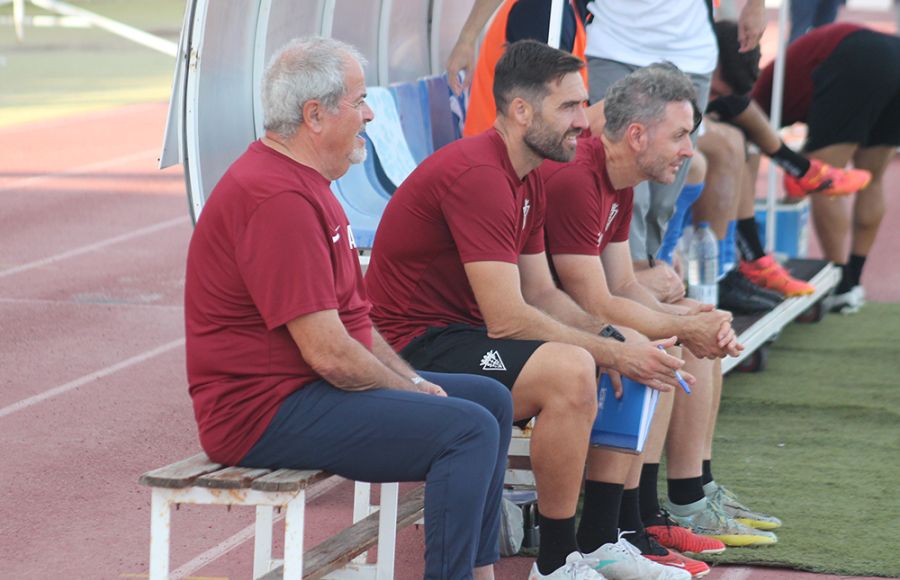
{"points": [[610, 331]]}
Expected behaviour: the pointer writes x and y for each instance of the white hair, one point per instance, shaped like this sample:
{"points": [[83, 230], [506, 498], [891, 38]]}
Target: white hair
{"points": [[302, 70]]}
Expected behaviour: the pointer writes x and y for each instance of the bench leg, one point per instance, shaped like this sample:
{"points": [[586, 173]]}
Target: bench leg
{"points": [[387, 531], [262, 543], [160, 527], [293, 537], [362, 498]]}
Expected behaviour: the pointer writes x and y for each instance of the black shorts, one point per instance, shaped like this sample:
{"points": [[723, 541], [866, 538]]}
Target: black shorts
{"points": [[460, 348], [856, 93]]}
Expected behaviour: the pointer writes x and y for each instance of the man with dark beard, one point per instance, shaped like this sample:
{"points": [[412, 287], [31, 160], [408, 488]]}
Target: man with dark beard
{"points": [[459, 281]]}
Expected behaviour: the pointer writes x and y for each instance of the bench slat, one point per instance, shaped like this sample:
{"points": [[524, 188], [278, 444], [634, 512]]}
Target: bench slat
{"points": [[289, 480], [180, 474], [231, 478], [338, 550]]}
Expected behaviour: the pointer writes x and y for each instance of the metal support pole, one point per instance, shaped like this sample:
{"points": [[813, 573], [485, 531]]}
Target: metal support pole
{"points": [[775, 120]]}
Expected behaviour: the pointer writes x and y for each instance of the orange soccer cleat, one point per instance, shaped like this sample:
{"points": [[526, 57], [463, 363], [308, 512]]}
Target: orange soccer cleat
{"points": [[826, 180], [674, 537], [768, 273]]}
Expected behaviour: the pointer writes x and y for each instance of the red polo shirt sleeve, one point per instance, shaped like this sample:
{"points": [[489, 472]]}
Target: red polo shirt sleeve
{"points": [[288, 272], [573, 212], [483, 226]]}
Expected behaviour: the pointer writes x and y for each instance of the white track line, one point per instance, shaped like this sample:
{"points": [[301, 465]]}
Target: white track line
{"points": [[95, 246], [61, 389], [125, 159], [173, 307], [736, 574], [247, 533]]}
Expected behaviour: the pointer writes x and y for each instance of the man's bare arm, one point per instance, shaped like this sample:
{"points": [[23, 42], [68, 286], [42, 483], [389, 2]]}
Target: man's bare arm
{"points": [[751, 24], [497, 289], [383, 352], [339, 358], [462, 57], [584, 278], [621, 280], [540, 291]]}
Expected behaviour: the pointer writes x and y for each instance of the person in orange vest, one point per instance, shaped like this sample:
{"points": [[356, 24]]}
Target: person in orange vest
{"points": [[515, 20]]}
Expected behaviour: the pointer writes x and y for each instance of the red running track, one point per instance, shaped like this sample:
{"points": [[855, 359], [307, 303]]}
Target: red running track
{"points": [[93, 393]]}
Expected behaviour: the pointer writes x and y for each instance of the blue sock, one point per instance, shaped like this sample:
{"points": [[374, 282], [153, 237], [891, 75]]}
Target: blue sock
{"points": [[727, 251], [680, 218]]}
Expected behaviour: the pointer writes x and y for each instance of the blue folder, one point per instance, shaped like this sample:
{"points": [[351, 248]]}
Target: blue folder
{"points": [[623, 424]]}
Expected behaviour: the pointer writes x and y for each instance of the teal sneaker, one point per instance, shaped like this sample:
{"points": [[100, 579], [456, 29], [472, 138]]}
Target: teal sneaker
{"points": [[730, 504], [706, 518]]}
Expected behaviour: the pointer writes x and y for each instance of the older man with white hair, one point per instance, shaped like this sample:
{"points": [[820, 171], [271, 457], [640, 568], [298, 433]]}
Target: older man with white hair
{"points": [[285, 367]]}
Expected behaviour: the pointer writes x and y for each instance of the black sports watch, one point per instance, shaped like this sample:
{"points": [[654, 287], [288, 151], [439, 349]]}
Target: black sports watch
{"points": [[610, 331]]}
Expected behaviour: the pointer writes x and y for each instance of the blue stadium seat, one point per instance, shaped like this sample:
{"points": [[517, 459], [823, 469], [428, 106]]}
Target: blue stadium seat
{"points": [[414, 119], [362, 198], [387, 136], [437, 96], [363, 224]]}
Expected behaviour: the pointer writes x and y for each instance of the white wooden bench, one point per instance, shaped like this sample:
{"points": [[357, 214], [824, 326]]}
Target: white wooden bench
{"points": [[518, 470], [197, 480]]}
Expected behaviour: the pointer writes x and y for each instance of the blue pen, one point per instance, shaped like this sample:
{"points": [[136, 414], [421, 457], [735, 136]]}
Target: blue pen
{"points": [[678, 376]]}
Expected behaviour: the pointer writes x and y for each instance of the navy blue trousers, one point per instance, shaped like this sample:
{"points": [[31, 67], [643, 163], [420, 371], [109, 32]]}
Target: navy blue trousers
{"points": [[457, 445]]}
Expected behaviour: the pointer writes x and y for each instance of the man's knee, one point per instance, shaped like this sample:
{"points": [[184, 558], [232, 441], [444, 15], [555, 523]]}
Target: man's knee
{"points": [[723, 144], [477, 428], [485, 391], [568, 376], [697, 170]]}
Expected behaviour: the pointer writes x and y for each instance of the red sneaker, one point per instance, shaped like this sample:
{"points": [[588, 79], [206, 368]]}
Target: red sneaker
{"points": [[672, 558], [768, 273], [674, 537], [826, 180]]}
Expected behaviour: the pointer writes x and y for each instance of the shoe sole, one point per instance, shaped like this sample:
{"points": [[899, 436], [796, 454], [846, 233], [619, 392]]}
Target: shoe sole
{"points": [[742, 541], [710, 552], [758, 524]]}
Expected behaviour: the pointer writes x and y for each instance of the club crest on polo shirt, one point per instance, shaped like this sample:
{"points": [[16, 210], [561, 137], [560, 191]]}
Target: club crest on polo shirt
{"points": [[613, 212], [525, 207], [491, 361]]}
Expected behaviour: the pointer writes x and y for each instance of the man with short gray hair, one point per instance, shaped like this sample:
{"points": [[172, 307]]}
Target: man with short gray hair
{"points": [[649, 117], [285, 367]]}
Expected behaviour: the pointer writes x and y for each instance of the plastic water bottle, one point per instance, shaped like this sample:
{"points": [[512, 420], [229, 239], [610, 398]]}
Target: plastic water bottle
{"points": [[703, 265]]}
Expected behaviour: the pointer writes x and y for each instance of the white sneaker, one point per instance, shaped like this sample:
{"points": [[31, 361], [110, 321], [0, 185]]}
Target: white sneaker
{"points": [[622, 561], [847, 303], [577, 567]]}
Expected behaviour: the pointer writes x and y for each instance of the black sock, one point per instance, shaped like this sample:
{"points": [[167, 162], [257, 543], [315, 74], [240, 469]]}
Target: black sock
{"points": [[793, 163], [686, 491], [557, 542], [707, 471], [748, 240], [851, 273], [649, 496], [630, 521], [630, 512], [599, 515]]}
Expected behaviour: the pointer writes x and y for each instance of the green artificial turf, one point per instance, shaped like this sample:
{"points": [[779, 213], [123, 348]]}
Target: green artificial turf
{"points": [[815, 440], [62, 71]]}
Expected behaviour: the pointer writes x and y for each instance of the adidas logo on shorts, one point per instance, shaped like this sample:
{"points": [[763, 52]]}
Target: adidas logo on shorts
{"points": [[491, 361]]}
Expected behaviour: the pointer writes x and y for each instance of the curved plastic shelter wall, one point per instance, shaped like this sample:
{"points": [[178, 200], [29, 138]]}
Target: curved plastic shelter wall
{"points": [[215, 111]]}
